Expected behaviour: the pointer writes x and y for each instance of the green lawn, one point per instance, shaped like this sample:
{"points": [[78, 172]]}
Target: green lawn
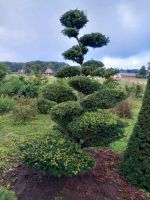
{"points": [[11, 134]]}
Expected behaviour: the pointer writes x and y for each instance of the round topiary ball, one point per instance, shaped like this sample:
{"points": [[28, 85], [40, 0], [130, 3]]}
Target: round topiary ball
{"points": [[65, 112], [68, 71], [44, 105], [54, 155], [58, 93], [103, 99], [96, 129], [84, 84]]}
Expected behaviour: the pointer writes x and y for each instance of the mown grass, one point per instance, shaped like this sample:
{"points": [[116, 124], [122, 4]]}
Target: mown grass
{"points": [[11, 134]]}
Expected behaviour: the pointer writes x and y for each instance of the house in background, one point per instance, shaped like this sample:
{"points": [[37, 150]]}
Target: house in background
{"points": [[48, 72]]}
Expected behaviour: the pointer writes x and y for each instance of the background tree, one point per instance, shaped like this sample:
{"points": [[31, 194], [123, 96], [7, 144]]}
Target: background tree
{"points": [[135, 165], [143, 71]]}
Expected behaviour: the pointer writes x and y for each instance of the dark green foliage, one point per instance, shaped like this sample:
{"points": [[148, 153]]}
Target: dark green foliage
{"points": [[98, 72], [65, 112], [139, 91], [103, 99], [110, 72], [7, 104], [55, 155], [96, 128], [6, 194], [75, 54], [58, 93], [84, 84], [74, 19], [68, 71], [12, 86], [3, 71], [30, 90], [135, 165], [44, 105], [94, 40], [143, 71], [93, 63], [111, 83], [71, 32], [90, 66]]}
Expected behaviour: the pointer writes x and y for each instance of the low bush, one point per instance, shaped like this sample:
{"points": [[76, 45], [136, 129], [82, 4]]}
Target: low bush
{"points": [[68, 71], [24, 114], [96, 129], [54, 155], [59, 93], [84, 84], [111, 83], [103, 99], [44, 106], [12, 86], [65, 112], [29, 90], [123, 110], [7, 104], [6, 194]]}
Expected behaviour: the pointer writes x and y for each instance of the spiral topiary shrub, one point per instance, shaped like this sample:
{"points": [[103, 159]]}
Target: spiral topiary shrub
{"points": [[44, 105], [84, 84], [68, 71], [96, 129], [65, 112], [6, 194], [103, 99], [135, 165], [58, 93], [54, 155]]}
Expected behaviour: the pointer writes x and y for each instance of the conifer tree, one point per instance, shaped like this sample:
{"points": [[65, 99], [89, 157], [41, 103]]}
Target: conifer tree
{"points": [[135, 165]]}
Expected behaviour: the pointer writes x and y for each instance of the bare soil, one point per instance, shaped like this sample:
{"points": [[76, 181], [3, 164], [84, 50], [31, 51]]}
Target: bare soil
{"points": [[102, 183]]}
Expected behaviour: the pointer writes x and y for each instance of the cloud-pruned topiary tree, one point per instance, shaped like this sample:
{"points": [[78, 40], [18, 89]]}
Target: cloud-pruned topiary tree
{"points": [[74, 21], [135, 165]]}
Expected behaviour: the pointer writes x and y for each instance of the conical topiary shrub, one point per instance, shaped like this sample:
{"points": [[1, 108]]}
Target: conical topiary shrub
{"points": [[135, 165]]}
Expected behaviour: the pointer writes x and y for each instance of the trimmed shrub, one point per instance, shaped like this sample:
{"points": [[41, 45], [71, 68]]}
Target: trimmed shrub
{"points": [[58, 93], [111, 83], [84, 84], [6, 194], [68, 71], [44, 106], [7, 104], [123, 110], [55, 155], [12, 86], [90, 66], [96, 129], [29, 90], [65, 112], [135, 165], [103, 99], [24, 114]]}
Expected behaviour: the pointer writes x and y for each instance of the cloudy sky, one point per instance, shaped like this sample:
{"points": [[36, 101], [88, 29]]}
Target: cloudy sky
{"points": [[30, 30]]}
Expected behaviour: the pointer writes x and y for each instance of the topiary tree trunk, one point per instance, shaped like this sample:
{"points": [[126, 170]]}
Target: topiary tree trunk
{"points": [[135, 165]]}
